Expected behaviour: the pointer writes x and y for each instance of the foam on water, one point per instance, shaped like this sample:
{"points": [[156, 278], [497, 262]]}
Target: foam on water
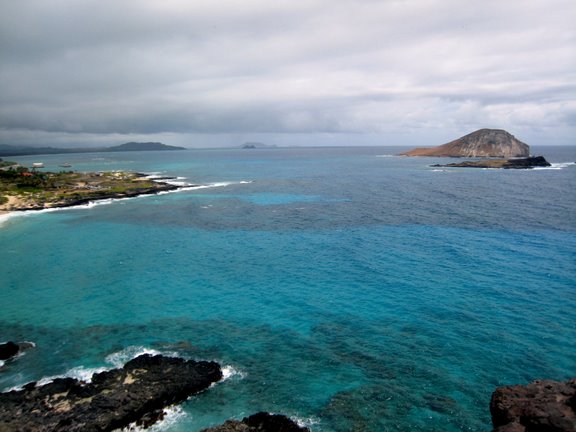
{"points": [[557, 166], [80, 373], [115, 360], [91, 204], [229, 372], [120, 358], [172, 416]]}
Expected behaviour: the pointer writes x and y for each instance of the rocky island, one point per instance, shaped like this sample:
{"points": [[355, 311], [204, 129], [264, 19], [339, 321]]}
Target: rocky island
{"points": [[495, 143], [25, 189]]}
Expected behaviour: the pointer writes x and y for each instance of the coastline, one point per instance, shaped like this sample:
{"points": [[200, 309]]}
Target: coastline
{"points": [[22, 204], [72, 190]]}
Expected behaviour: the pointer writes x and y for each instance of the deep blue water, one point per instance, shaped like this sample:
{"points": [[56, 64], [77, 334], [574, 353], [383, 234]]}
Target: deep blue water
{"points": [[349, 289]]}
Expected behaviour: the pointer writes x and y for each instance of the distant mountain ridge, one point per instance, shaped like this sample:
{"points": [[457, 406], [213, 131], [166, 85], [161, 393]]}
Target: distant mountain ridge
{"points": [[9, 150], [481, 143], [143, 146]]}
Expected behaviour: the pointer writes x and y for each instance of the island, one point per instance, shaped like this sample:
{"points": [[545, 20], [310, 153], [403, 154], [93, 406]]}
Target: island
{"points": [[31, 189], [256, 145], [494, 143], [518, 163], [11, 150]]}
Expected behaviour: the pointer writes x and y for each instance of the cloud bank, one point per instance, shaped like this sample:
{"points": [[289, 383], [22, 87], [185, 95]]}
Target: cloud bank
{"points": [[214, 72]]}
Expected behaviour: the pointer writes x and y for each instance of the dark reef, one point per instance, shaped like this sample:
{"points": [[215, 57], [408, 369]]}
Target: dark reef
{"points": [[138, 392], [522, 163]]}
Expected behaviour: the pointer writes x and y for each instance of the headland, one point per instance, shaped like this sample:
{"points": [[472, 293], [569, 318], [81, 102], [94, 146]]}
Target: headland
{"points": [[31, 189]]}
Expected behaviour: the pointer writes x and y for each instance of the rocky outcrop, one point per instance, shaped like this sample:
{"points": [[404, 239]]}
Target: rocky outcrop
{"points": [[482, 143], [138, 392], [539, 406], [260, 422], [522, 163], [10, 349]]}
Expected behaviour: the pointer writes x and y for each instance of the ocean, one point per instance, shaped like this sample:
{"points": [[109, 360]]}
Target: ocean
{"points": [[348, 288]]}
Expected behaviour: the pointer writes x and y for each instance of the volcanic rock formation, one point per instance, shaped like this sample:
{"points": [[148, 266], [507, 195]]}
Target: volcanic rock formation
{"points": [[520, 163], [539, 406], [482, 143], [114, 399], [260, 422], [10, 349]]}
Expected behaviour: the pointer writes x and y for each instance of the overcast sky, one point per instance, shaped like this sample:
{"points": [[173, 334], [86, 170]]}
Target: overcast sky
{"points": [[204, 73]]}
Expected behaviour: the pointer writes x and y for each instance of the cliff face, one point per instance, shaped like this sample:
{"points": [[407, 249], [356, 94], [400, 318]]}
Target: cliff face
{"points": [[482, 143]]}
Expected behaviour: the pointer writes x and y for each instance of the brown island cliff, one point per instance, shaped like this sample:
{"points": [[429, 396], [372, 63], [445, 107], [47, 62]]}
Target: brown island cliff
{"points": [[496, 148], [493, 143]]}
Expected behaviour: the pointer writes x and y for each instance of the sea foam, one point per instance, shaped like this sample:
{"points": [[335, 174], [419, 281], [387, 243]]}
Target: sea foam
{"points": [[172, 415], [557, 166]]}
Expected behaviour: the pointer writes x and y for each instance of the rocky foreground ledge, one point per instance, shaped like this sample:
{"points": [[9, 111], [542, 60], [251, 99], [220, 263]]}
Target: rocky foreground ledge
{"points": [[260, 422], [136, 393], [547, 406]]}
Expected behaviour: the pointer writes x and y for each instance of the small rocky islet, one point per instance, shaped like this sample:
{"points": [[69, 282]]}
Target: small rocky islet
{"points": [[488, 143], [496, 148]]}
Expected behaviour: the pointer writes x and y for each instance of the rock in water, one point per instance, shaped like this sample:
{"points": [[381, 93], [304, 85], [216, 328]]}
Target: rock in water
{"points": [[538, 406], [260, 422], [482, 143], [8, 350], [136, 393]]}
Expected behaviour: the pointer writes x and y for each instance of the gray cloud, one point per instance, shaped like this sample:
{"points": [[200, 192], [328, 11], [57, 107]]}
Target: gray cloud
{"points": [[105, 70]]}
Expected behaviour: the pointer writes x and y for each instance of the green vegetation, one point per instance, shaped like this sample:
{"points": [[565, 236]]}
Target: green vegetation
{"points": [[4, 163], [21, 188]]}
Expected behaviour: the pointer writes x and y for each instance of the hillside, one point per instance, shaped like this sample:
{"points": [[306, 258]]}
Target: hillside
{"points": [[9, 150], [142, 146]]}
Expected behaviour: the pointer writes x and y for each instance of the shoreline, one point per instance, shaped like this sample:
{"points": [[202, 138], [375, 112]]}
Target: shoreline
{"points": [[20, 204], [24, 190], [5, 215]]}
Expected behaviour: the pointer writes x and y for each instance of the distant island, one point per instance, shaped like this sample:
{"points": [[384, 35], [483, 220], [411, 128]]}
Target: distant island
{"points": [[255, 145], [481, 143], [9, 150]]}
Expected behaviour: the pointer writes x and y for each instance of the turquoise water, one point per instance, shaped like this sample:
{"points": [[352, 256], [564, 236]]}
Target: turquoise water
{"points": [[346, 288]]}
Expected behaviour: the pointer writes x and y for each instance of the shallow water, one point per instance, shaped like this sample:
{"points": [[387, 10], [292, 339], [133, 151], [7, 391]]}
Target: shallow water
{"points": [[346, 288]]}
